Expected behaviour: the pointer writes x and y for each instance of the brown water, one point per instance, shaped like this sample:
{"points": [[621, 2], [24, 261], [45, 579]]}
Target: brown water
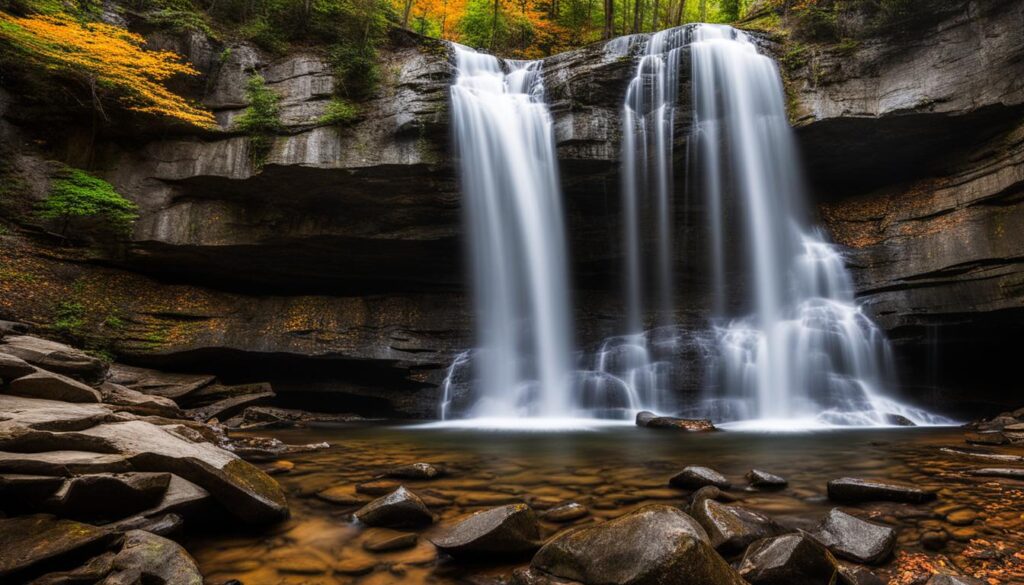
{"points": [[613, 471]]}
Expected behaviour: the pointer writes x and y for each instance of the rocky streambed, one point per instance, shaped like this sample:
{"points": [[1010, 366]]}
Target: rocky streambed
{"points": [[113, 474]]}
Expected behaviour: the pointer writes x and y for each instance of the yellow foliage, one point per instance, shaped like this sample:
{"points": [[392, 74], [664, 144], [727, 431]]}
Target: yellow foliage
{"points": [[107, 57]]}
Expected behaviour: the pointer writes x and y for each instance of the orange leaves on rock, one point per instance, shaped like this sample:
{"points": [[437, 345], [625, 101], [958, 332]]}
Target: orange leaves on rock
{"points": [[109, 58]]}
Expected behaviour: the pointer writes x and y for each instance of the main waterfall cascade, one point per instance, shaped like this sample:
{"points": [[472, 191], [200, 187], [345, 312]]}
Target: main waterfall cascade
{"points": [[796, 350], [503, 133]]}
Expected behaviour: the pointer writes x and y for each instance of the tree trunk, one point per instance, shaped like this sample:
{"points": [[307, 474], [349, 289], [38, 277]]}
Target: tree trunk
{"points": [[609, 19], [654, 17], [636, 16], [680, 11], [405, 13]]}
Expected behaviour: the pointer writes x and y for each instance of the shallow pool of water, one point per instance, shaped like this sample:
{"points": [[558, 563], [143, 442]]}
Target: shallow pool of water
{"points": [[612, 471]]}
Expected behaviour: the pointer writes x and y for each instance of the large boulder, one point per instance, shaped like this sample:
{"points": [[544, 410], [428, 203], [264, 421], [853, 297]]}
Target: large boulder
{"points": [[852, 490], [854, 539], [32, 543], [731, 528], [55, 357], [401, 508], [790, 559], [655, 545], [506, 531], [652, 421], [148, 558], [50, 386], [694, 477]]}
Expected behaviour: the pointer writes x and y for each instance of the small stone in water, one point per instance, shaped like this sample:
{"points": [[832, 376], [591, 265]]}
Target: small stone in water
{"points": [[398, 509], [414, 471], [934, 539], [763, 479], [695, 477], [377, 488], [858, 540], [566, 512], [962, 517]]}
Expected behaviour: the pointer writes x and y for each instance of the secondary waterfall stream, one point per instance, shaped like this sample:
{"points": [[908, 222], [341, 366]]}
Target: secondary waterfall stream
{"points": [[784, 342]]}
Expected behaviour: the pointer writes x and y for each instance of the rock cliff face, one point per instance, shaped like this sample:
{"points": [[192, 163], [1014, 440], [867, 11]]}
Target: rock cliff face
{"points": [[916, 150], [337, 266]]}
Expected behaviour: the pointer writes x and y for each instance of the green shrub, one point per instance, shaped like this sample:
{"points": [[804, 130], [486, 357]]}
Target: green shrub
{"points": [[68, 316], [817, 24], [76, 197], [261, 119], [340, 112]]}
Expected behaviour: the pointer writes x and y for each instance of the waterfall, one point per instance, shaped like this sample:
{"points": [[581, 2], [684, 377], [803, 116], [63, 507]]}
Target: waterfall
{"points": [[805, 350], [503, 134]]}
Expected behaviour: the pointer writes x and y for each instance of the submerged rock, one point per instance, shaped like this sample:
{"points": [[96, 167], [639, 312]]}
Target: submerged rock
{"points": [[566, 512], [765, 480], [510, 530], [384, 540], [695, 477], [40, 541], [1007, 472], [850, 489], [414, 471], [854, 539], [655, 545], [50, 386], [791, 559], [398, 509], [731, 528]]}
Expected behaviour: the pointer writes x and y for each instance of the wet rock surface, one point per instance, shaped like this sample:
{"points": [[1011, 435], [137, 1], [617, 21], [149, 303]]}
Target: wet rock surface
{"points": [[652, 421], [791, 559], [731, 528], [653, 545], [504, 531], [851, 538], [850, 489], [32, 543], [765, 480], [695, 477], [400, 508]]}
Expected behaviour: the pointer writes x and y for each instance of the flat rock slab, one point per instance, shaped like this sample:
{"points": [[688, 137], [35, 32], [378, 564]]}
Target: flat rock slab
{"points": [[34, 542], [24, 493], [243, 489], [510, 530], [695, 477], [51, 415], [157, 383], [228, 407], [50, 386], [400, 508], [789, 559], [137, 402], [854, 539], [654, 545], [14, 367], [55, 357], [850, 489]]}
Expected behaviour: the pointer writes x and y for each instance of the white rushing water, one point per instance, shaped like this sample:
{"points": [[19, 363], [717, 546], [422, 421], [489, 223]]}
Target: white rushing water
{"points": [[806, 352], [503, 133]]}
